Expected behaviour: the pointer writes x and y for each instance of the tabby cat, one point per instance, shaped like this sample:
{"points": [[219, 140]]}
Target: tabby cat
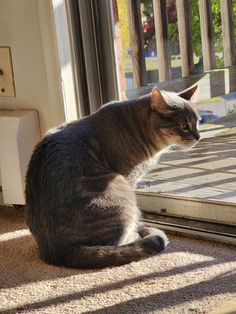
{"points": [[80, 200]]}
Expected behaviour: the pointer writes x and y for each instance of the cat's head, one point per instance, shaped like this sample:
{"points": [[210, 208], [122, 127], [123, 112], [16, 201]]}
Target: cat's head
{"points": [[174, 119]]}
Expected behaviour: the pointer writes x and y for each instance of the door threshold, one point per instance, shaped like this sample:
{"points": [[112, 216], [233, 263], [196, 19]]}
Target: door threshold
{"points": [[191, 208], [191, 227]]}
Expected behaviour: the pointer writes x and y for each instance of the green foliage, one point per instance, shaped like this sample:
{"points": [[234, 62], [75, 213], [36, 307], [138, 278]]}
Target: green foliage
{"points": [[195, 28], [147, 7], [216, 19]]}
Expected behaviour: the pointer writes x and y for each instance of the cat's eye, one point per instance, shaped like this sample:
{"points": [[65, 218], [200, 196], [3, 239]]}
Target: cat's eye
{"points": [[184, 126]]}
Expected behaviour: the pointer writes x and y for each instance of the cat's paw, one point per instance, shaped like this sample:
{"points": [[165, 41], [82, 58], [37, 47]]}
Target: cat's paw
{"points": [[155, 232]]}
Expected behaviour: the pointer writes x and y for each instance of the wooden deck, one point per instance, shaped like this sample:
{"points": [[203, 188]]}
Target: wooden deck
{"points": [[199, 183]]}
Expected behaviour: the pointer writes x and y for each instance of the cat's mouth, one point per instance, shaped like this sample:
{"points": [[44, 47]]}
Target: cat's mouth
{"points": [[186, 143]]}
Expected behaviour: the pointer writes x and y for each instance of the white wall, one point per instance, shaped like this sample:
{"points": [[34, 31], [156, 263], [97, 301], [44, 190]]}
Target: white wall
{"points": [[27, 26]]}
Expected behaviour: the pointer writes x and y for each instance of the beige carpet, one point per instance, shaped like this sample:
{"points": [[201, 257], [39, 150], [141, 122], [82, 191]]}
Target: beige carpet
{"points": [[191, 276]]}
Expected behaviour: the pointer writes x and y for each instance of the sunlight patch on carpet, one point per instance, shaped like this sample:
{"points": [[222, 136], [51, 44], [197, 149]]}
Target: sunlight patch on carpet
{"points": [[14, 235]]}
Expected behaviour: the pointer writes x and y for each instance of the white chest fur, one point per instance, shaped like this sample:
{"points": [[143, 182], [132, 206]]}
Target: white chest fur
{"points": [[139, 171]]}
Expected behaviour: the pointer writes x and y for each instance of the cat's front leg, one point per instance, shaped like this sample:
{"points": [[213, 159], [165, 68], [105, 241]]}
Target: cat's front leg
{"points": [[129, 235]]}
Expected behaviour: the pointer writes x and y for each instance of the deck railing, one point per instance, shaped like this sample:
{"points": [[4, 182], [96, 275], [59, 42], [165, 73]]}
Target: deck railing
{"points": [[185, 39]]}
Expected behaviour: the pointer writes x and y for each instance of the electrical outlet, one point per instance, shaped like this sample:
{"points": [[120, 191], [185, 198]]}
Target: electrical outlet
{"points": [[7, 87]]}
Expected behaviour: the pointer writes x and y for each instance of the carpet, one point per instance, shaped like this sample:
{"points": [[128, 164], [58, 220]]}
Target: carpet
{"points": [[190, 276]]}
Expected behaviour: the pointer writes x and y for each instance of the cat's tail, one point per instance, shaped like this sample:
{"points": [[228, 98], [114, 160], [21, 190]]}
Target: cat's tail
{"points": [[105, 256]]}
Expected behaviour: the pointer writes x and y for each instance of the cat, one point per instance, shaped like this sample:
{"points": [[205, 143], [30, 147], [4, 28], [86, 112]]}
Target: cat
{"points": [[80, 200]]}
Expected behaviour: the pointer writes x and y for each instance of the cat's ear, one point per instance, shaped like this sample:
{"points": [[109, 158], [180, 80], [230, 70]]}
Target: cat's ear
{"points": [[158, 103], [188, 93]]}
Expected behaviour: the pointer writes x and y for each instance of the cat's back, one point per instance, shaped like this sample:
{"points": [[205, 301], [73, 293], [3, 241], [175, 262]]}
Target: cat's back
{"points": [[73, 140], [65, 139], [57, 157], [77, 132]]}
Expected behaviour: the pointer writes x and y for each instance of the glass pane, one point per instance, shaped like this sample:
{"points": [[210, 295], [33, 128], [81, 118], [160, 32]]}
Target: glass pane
{"points": [[206, 174]]}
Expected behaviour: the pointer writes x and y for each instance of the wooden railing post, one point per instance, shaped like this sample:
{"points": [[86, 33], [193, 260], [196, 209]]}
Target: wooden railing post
{"points": [[137, 44], [161, 28], [207, 34], [226, 7], [185, 36]]}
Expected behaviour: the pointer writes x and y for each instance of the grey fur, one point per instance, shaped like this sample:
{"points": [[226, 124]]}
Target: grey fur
{"points": [[80, 200]]}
